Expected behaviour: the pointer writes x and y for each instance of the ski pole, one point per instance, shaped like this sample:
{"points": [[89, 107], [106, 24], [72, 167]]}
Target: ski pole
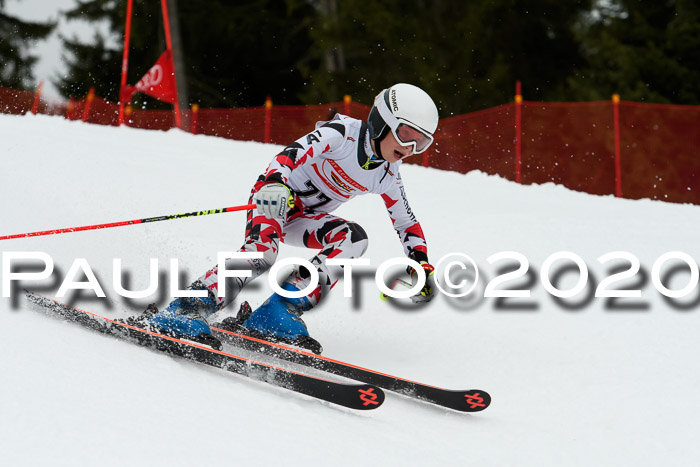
{"points": [[244, 207], [384, 297]]}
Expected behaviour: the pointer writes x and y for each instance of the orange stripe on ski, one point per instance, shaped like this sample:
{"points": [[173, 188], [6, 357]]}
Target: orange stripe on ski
{"points": [[192, 344], [320, 357]]}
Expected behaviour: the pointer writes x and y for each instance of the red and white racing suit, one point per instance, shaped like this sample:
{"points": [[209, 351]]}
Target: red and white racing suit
{"points": [[324, 169]]}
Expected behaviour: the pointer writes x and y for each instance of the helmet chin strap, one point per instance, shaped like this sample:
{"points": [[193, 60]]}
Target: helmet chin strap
{"points": [[376, 143], [377, 157], [377, 148]]}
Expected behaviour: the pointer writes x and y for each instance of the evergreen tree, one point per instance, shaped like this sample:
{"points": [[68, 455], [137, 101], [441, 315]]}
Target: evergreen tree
{"points": [[235, 53], [93, 65], [467, 55], [15, 38], [645, 50], [98, 63]]}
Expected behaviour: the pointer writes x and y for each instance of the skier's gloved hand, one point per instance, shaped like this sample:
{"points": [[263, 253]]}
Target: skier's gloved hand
{"points": [[428, 291], [274, 200]]}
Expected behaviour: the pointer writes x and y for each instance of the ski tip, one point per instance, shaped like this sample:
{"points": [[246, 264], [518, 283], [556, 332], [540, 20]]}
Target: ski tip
{"points": [[368, 397], [474, 400]]}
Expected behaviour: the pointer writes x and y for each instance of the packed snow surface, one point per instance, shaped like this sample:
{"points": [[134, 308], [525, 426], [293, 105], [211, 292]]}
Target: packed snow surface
{"points": [[574, 381]]}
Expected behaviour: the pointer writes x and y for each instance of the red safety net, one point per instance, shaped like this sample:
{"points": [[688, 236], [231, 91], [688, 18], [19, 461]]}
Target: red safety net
{"points": [[246, 124], [15, 102], [74, 109], [149, 119], [290, 122], [660, 152], [102, 112], [286, 123], [481, 140], [572, 144]]}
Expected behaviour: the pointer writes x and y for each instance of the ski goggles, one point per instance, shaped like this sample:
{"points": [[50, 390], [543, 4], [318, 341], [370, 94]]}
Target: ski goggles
{"points": [[406, 133]]}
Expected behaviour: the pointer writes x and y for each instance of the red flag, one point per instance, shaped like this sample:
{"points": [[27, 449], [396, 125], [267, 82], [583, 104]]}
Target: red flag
{"points": [[159, 82]]}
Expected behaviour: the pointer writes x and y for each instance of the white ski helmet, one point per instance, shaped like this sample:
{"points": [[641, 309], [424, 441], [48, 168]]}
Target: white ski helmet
{"points": [[408, 112]]}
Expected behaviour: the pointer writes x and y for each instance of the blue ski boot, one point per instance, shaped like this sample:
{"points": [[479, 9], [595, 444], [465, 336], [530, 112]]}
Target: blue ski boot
{"points": [[184, 318], [278, 319]]}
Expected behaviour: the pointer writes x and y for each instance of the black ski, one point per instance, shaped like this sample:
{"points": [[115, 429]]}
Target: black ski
{"points": [[354, 396], [473, 400]]}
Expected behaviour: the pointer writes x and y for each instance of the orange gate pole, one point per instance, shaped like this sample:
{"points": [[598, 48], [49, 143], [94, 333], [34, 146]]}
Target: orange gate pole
{"points": [[125, 60], [169, 43], [616, 129], [195, 115], [347, 100], [268, 120], [37, 98], [88, 103], [518, 131]]}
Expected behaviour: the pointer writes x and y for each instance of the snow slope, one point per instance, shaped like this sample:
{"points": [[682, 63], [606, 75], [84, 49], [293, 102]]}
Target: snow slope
{"points": [[576, 384]]}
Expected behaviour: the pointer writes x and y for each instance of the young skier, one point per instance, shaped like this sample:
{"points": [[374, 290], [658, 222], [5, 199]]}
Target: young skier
{"points": [[295, 197]]}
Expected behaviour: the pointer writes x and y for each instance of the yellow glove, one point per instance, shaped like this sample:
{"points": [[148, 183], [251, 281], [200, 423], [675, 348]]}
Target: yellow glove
{"points": [[428, 291]]}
